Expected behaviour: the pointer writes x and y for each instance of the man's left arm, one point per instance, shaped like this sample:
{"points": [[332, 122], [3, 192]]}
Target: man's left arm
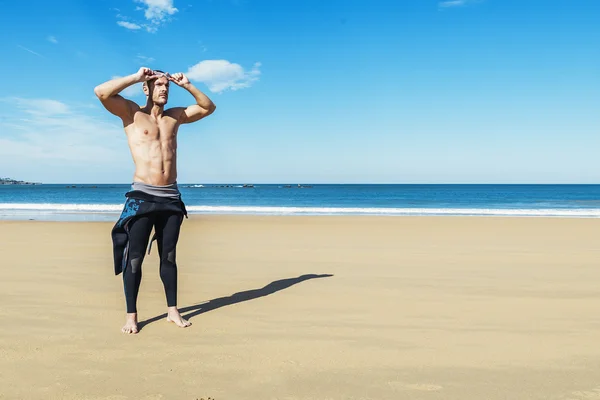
{"points": [[203, 107]]}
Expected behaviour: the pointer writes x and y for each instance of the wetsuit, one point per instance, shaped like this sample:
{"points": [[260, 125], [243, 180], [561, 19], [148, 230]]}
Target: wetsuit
{"points": [[147, 207]]}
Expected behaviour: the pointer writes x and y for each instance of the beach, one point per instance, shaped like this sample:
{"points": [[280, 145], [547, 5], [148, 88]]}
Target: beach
{"points": [[309, 307]]}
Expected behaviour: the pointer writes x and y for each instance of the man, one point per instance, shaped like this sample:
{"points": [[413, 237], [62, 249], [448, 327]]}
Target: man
{"points": [[155, 200]]}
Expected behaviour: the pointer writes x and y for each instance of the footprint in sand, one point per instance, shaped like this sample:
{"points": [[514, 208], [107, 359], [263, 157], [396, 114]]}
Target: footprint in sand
{"points": [[594, 394], [423, 387]]}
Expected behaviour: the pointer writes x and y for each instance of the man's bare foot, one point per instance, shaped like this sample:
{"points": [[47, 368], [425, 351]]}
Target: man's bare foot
{"points": [[130, 324], [174, 316]]}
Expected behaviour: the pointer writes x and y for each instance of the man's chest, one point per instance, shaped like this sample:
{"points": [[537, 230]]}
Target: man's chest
{"points": [[148, 128]]}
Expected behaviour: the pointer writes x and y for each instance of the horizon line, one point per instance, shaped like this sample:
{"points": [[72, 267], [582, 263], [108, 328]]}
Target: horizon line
{"points": [[30, 183]]}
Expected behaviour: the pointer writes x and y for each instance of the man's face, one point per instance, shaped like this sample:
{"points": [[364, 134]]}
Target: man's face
{"points": [[159, 90]]}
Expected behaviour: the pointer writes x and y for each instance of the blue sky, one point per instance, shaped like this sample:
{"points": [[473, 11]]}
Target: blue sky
{"points": [[328, 91]]}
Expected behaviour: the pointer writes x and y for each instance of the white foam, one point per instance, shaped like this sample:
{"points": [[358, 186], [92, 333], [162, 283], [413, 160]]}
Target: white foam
{"points": [[266, 210], [33, 208], [62, 207], [394, 211]]}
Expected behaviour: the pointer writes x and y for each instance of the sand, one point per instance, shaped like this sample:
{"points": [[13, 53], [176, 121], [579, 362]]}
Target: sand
{"points": [[302, 307]]}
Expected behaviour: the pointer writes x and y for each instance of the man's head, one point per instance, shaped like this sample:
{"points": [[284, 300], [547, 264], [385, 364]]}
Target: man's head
{"points": [[157, 89]]}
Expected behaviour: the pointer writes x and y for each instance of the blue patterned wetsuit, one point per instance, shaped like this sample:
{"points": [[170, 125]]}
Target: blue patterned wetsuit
{"points": [[131, 235]]}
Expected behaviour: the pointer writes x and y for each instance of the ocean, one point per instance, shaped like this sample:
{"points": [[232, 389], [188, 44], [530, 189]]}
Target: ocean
{"points": [[79, 202]]}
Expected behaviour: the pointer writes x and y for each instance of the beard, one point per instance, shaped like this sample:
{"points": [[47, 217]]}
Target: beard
{"points": [[161, 101]]}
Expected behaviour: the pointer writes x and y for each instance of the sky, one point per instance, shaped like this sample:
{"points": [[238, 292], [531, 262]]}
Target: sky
{"points": [[312, 91]]}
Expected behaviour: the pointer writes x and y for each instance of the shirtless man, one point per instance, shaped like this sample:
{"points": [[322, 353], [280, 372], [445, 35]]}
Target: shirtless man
{"points": [[155, 200]]}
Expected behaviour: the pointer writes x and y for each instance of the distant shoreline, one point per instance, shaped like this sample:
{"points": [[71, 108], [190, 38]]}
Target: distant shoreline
{"points": [[8, 181]]}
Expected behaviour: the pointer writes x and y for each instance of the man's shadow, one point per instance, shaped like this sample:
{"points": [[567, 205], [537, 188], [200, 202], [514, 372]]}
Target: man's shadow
{"points": [[235, 298]]}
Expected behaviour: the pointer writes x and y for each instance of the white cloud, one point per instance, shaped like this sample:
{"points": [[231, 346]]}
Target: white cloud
{"points": [[45, 129], [203, 47], [452, 3], [156, 13], [158, 10], [128, 25], [221, 75], [52, 39], [31, 51], [41, 107], [46, 107], [131, 91], [144, 59], [456, 3]]}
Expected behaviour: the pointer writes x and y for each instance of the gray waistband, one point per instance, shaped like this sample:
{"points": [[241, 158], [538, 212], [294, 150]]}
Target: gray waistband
{"points": [[163, 191]]}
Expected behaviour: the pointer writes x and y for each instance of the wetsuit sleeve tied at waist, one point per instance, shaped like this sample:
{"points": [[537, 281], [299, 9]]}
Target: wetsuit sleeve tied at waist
{"points": [[136, 205]]}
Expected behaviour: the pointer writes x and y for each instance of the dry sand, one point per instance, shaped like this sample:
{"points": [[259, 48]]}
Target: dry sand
{"points": [[309, 308]]}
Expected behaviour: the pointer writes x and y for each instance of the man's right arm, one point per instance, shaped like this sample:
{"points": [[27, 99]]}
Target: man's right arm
{"points": [[108, 93]]}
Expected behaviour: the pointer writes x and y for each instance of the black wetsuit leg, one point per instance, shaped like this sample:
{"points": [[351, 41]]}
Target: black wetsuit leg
{"points": [[167, 228], [139, 235]]}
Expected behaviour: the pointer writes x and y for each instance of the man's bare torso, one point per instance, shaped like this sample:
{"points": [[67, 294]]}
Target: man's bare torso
{"points": [[151, 130], [153, 145]]}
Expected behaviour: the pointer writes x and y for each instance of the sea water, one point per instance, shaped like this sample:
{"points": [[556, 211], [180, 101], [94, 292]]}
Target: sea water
{"points": [[105, 201]]}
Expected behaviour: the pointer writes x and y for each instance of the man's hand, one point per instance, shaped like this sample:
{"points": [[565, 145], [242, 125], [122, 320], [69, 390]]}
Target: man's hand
{"points": [[145, 74], [179, 79]]}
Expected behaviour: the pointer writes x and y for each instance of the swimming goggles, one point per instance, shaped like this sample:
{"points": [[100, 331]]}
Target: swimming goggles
{"points": [[165, 74]]}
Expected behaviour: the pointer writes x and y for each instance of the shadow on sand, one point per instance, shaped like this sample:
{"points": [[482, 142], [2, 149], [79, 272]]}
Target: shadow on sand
{"points": [[235, 298]]}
